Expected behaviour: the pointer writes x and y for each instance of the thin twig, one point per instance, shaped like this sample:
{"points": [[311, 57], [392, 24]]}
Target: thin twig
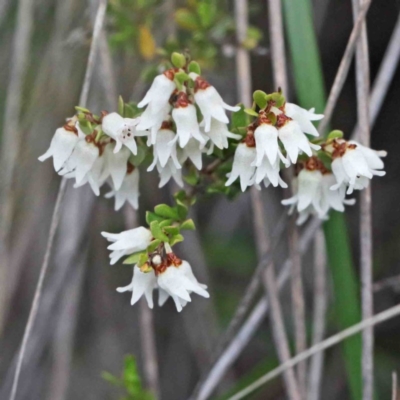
{"points": [[320, 305], [327, 343], [362, 81], [11, 135], [385, 75], [344, 66], [392, 282], [394, 385], [57, 208], [146, 323]]}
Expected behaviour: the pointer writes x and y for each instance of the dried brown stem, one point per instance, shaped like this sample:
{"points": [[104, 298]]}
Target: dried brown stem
{"points": [[327, 343], [57, 208]]}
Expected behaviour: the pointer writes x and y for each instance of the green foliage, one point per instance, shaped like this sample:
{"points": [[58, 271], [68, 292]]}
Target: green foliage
{"points": [[336, 134], [129, 381]]}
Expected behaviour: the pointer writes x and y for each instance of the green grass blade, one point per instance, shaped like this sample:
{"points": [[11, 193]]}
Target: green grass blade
{"points": [[310, 91]]}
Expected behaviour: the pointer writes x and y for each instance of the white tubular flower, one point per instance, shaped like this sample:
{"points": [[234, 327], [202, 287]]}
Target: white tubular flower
{"points": [[122, 130], [269, 174], [61, 146], [185, 117], [243, 167], [164, 148], [266, 137], [129, 190], [219, 134], [127, 242], [115, 165], [354, 165], [153, 122], [308, 191], [210, 102], [143, 283], [193, 150], [82, 160], [177, 282], [95, 177], [303, 117], [158, 95], [294, 140], [332, 199], [169, 171]]}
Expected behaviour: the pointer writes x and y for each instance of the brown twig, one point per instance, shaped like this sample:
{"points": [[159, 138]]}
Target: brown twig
{"points": [[327, 343], [344, 66], [362, 81], [57, 208], [320, 305]]}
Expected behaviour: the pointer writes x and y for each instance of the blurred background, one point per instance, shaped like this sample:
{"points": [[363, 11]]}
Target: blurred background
{"points": [[84, 327]]}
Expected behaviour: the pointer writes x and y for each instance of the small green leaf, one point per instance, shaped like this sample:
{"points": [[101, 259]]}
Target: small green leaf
{"points": [[176, 239], [140, 156], [157, 232], [194, 67], [121, 106], [172, 230], [260, 98], [153, 245], [336, 134], [165, 211], [83, 109], [278, 98], [181, 77], [182, 211], [250, 111], [326, 160], [143, 259], [192, 177], [166, 222], [178, 60], [133, 258], [240, 118], [188, 225], [150, 217]]}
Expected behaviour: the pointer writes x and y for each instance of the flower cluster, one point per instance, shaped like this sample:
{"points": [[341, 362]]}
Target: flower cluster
{"points": [[155, 265]]}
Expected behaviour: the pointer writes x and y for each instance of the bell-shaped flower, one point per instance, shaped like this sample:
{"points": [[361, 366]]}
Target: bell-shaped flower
{"points": [[153, 122], [243, 167], [308, 191], [193, 151], [143, 284], [122, 130], [219, 134], [169, 171], [115, 164], [303, 117], [185, 117], [82, 159], [61, 146], [127, 242], [355, 165], [129, 190], [210, 102], [269, 173], [164, 149], [177, 283], [157, 97], [95, 177], [295, 141]]}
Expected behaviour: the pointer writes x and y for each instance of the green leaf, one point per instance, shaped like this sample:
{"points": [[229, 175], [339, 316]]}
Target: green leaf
{"points": [[140, 156], [165, 211], [166, 222], [143, 259], [172, 230], [134, 258], [326, 160], [240, 118], [82, 109], [278, 98], [186, 19], [260, 98], [176, 239], [182, 211], [121, 106], [194, 67], [178, 60], [336, 134], [153, 245], [188, 225], [250, 111], [181, 77], [157, 232], [150, 217]]}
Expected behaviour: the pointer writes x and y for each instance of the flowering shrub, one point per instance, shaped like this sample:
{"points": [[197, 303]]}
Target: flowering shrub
{"points": [[181, 119]]}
